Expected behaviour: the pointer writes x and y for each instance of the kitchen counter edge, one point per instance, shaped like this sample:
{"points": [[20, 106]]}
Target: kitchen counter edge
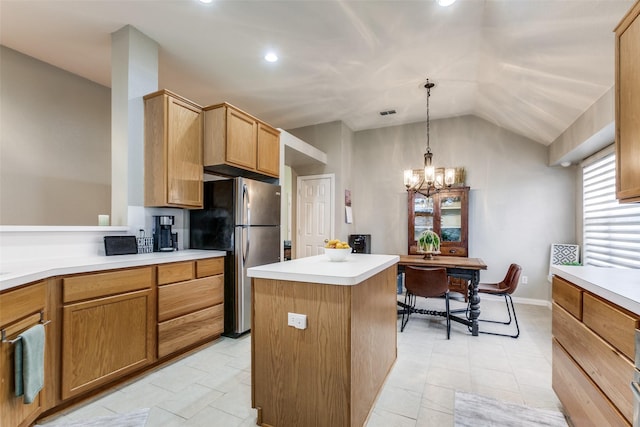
{"points": [[318, 269], [13, 275]]}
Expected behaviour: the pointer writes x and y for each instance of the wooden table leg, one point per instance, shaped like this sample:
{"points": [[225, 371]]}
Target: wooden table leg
{"points": [[474, 301]]}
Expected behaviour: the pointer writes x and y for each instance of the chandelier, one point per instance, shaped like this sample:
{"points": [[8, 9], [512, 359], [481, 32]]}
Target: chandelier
{"points": [[429, 181]]}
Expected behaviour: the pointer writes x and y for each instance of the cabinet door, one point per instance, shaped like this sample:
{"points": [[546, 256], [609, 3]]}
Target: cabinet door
{"points": [[184, 156], [19, 310], [105, 338], [451, 222], [241, 139], [628, 107], [268, 150], [421, 218]]}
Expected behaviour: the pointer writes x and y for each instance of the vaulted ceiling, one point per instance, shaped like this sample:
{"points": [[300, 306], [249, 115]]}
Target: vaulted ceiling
{"points": [[530, 66]]}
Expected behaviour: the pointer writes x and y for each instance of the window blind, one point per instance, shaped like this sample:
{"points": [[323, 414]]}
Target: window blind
{"points": [[611, 229]]}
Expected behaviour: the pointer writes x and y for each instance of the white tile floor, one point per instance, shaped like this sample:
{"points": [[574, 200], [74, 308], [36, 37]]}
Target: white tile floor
{"points": [[213, 386]]}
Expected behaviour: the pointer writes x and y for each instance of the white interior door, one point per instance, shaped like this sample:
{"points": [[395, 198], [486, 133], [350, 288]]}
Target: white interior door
{"points": [[315, 213]]}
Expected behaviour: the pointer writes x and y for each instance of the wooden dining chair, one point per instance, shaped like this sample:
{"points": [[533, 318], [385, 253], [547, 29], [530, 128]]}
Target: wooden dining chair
{"points": [[504, 288], [427, 283]]}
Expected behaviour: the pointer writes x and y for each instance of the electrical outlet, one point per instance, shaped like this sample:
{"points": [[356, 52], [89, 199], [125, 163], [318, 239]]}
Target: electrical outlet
{"points": [[298, 321], [525, 280]]}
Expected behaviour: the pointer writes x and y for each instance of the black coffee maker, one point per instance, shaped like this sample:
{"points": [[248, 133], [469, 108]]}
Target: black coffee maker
{"points": [[163, 239]]}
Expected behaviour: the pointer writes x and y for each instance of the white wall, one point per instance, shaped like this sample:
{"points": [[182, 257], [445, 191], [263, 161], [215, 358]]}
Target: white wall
{"points": [[55, 144], [518, 205]]}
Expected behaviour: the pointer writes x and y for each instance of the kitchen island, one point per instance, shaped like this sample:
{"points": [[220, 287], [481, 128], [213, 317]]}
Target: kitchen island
{"points": [[596, 312], [328, 368]]}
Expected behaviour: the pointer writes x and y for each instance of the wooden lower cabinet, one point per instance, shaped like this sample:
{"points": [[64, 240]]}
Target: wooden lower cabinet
{"points": [[582, 400], [19, 310], [106, 338], [593, 353], [107, 327], [190, 304]]}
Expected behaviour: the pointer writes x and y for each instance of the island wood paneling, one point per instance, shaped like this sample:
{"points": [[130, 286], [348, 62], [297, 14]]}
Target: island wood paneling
{"points": [[330, 373], [606, 367], [613, 324], [573, 389]]}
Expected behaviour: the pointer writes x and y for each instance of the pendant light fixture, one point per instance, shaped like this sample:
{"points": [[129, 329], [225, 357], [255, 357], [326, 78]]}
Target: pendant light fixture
{"points": [[430, 182]]}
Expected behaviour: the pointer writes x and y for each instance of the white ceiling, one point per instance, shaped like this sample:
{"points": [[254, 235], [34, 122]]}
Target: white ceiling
{"points": [[531, 66]]}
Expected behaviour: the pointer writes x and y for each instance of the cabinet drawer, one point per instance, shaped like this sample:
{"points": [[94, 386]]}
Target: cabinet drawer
{"points": [[177, 272], [181, 298], [567, 296], [181, 332], [209, 267], [617, 327], [104, 284], [606, 367], [20, 303], [453, 250], [579, 395]]}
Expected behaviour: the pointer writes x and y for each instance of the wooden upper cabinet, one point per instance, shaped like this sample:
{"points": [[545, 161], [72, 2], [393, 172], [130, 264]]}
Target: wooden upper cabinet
{"points": [[173, 170], [268, 161], [238, 144], [628, 106], [241, 139]]}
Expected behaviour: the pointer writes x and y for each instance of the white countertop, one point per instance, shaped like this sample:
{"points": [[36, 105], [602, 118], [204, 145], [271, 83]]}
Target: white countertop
{"points": [[19, 273], [318, 269], [620, 286]]}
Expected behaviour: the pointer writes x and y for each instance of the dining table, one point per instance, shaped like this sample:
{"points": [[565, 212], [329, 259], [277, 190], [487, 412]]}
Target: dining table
{"points": [[461, 267]]}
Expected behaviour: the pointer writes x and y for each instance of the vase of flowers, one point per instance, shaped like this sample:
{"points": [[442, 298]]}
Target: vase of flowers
{"points": [[429, 244]]}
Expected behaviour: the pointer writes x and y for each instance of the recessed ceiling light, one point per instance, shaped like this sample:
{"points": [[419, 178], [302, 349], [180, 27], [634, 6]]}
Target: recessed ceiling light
{"points": [[271, 57], [206, 1], [565, 164], [446, 3]]}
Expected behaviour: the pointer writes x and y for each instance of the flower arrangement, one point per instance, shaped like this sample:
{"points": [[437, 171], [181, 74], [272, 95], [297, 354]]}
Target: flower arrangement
{"points": [[429, 241]]}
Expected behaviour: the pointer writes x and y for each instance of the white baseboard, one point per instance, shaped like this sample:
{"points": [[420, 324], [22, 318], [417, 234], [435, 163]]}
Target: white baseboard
{"points": [[520, 300]]}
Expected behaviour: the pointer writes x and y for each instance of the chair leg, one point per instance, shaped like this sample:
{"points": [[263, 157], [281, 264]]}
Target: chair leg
{"points": [[506, 303], [510, 300], [446, 297], [407, 310]]}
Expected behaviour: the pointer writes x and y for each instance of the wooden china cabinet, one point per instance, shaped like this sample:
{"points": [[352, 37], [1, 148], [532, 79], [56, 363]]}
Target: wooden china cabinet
{"points": [[447, 214]]}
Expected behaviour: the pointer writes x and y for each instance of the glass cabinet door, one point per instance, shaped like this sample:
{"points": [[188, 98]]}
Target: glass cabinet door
{"points": [[451, 218], [423, 215]]}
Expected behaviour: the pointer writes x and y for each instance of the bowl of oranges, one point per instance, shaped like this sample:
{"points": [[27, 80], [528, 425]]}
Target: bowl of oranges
{"points": [[336, 250]]}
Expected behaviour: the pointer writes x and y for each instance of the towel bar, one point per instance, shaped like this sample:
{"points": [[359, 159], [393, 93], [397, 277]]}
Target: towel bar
{"points": [[3, 333]]}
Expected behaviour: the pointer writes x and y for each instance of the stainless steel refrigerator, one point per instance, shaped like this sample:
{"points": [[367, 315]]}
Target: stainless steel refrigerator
{"points": [[240, 216]]}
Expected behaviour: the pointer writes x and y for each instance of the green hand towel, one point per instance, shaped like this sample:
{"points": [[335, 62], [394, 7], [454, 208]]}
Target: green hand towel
{"points": [[29, 363]]}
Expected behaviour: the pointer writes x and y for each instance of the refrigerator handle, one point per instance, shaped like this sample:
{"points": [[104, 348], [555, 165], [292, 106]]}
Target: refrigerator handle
{"points": [[246, 203], [245, 253]]}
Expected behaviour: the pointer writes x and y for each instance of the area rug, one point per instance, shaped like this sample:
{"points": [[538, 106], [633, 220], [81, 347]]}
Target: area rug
{"points": [[132, 419], [472, 410]]}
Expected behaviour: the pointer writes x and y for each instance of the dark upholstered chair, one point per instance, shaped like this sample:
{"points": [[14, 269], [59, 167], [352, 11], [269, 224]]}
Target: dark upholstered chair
{"points": [[427, 283], [504, 288]]}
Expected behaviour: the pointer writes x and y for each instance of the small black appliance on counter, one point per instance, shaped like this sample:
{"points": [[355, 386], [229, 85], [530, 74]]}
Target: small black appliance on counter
{"points": [[360, 243], [163, 238]]}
